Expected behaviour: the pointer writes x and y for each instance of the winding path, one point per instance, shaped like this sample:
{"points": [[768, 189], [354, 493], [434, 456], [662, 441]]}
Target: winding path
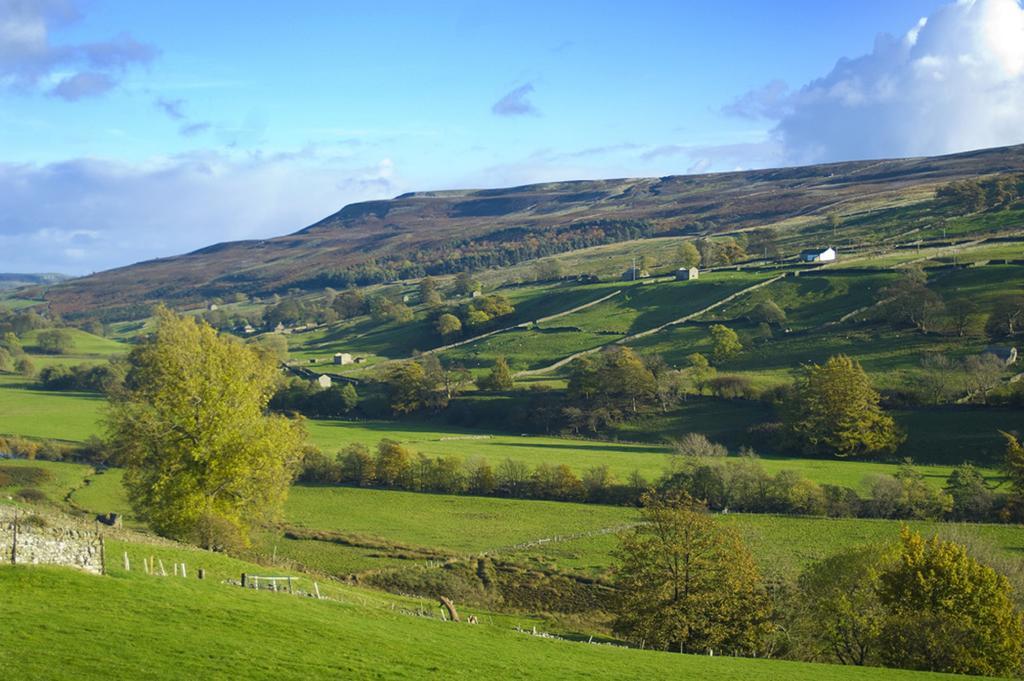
{"points": [[641, 334]]}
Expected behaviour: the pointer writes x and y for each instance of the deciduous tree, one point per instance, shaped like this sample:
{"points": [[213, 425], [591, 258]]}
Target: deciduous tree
{"points": [[834, 410], [725, 343], [948, 613], [202, 458], [686, 583]]}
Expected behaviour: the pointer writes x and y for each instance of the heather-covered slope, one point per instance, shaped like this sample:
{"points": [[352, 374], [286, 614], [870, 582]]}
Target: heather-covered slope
{"points": [[438, 232]]}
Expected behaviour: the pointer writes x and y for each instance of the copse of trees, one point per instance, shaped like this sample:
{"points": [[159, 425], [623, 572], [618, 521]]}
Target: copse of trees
{"points": [[100, 378], [687, 255], [21, 322], [55, 341], [427, 384], [924, 604], [972, 196], [203, 461], [480, 311], [309, 399], [606, 387]]}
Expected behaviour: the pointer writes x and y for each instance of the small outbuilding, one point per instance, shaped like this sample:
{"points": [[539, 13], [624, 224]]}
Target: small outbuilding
{"points": [[342, 358], [818, 254], [687, 274], [324, 381]]}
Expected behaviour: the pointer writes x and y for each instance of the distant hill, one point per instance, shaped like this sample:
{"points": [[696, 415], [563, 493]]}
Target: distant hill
{"points": [[449, 231], [14, 280]]}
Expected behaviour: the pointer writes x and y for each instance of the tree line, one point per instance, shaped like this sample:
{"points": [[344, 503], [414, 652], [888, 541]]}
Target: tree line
{"points": [[699, 468]]}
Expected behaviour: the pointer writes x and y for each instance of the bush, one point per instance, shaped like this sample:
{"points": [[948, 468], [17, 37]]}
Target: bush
{"points": [[732, 387], [28, 476], [695, 444], [31, 495], [216, 533]]}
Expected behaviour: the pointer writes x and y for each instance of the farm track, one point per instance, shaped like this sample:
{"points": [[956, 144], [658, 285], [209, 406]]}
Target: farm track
{"points": [[506, 329], [643, 334]]}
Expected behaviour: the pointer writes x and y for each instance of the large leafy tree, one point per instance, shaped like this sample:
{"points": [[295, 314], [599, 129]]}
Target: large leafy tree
{"points": [[839, 617], [947, 612], [614, 381], [687, 584], [834, 410], [204, 461]]}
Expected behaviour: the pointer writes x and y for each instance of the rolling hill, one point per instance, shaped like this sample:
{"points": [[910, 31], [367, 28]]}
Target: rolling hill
{"points": [[449, 231]]}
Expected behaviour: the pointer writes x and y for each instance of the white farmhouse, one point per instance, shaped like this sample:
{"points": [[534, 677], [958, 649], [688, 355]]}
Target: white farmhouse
{"points": [[818, 254]]}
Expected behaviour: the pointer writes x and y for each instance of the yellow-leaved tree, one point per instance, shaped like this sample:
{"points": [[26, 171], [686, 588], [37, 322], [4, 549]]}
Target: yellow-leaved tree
{"points": [[835, 410], [204, 461], [686, 583]]}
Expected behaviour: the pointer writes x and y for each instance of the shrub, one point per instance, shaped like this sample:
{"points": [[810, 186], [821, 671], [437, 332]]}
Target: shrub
{"points": [[732, 387], [31, 495], [695, 444], [28, 476]]}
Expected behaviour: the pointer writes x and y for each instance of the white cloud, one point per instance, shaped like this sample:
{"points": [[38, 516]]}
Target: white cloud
{"points": [[953, 82], [86, 214]]}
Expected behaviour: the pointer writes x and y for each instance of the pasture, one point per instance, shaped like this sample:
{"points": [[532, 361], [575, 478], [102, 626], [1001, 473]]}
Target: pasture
{"points": [[176, 628]]}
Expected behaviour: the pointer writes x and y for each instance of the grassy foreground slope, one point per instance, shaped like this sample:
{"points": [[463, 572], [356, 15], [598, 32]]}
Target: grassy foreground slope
{"points": [[133, 626]]}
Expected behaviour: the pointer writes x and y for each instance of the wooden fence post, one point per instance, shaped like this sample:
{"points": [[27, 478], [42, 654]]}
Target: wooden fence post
{"points": [[201, 574], [243, 580], [127, 565], [316, 590], [14, 541]]}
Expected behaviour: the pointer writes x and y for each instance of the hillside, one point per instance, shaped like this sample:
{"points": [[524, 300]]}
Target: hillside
{"points": [[450, 231], [10, 280]]}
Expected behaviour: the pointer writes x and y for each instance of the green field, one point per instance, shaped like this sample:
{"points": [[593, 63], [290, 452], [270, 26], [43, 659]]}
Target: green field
{"points": [[464, 525], [75, 416], [61, 479], [25, 410], [168, 628]]}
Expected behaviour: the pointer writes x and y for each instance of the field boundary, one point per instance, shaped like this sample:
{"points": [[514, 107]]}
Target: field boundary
{"points": [[642, 334]]}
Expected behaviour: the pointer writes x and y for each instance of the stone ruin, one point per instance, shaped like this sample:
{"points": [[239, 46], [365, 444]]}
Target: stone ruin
{"points": [[27, 538]]}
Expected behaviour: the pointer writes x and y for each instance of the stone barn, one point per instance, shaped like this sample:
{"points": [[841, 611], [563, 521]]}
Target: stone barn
{"points": [[342, 358], [687, 274]]}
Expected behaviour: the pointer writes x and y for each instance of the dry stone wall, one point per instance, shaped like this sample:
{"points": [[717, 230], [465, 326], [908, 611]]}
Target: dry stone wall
{"points": [[28, 539]]}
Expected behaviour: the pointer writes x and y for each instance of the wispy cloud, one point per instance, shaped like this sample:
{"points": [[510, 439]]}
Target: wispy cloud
{"points": [[174, 108], [30, 61], [516, 103]]}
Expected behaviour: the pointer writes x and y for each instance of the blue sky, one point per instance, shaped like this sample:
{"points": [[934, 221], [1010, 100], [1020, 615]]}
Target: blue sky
{"points": [[131, 130]]}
